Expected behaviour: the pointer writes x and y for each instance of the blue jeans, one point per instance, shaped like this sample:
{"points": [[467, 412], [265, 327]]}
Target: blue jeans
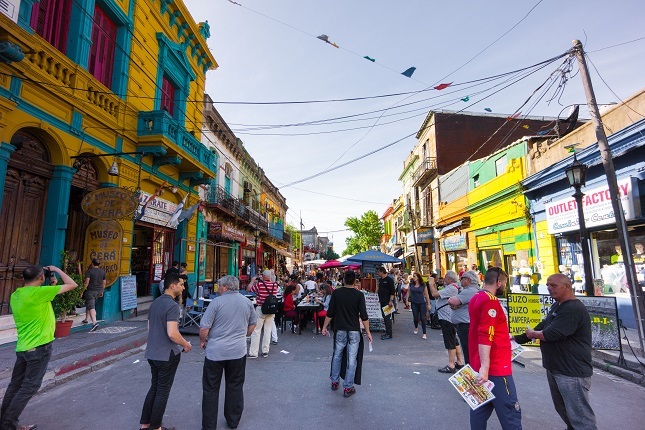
{"points": [[570, 396], [505, 405], [351, 339], [27, 376], [163, 375]]}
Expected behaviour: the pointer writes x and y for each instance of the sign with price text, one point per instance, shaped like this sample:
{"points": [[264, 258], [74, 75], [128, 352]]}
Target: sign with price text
{"points": [[530, 309]]}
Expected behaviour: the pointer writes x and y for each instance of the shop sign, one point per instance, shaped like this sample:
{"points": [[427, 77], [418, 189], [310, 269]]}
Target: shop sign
{"points": [[158, 211], [225, 231], [103, 241], [454, 243], [11, 8], [110, 203], [423, 235], [562, 215]]}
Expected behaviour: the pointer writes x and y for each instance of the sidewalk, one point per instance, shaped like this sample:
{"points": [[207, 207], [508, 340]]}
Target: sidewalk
{"points": [[83, 352]]}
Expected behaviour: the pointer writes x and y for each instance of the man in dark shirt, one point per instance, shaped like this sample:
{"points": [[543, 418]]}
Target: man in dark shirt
{"points": [[386, 292], [565, 342], [346, 306], [94, 286], [163, 351]]}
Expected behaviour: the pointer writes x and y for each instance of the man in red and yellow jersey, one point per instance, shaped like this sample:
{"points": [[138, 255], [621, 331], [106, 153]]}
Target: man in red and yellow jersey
{"points": [[490, 353]]}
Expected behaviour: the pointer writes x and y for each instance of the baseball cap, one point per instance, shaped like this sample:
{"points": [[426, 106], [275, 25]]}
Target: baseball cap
{"points": [[474, 279]]}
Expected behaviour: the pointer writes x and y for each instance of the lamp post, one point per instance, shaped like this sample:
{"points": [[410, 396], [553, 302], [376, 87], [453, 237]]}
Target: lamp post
{"points": [[577, 174], [256, 235]]}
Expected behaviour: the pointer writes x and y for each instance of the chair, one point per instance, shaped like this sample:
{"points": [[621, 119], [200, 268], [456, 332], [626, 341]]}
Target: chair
{"points": [[194, 312]]}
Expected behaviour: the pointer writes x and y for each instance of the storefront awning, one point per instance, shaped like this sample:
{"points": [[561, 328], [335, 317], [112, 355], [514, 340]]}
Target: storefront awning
{"points": [[450, 226], [284, 253]]}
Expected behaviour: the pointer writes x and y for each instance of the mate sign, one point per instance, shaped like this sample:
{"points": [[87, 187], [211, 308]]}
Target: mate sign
{"points": [[110, 203]]}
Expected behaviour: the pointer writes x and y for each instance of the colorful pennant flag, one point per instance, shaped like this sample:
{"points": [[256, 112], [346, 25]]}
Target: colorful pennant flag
{"points": [[465, 99], [442, 86], [369, 58], [324, 38], [514, 116], [231, 1], [488, 109], [408, 73], [525, 126]]}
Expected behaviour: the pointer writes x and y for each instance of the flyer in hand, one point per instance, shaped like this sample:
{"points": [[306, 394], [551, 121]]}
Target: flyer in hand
{"points": [[388, 309], [516, 350], [465, 381]]}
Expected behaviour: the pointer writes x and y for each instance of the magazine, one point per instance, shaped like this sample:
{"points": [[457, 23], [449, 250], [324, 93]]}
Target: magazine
{"points": [[388, 309], [465, 382], [516, 349]]}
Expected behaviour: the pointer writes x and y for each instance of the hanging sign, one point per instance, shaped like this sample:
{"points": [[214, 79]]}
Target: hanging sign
{"points": [[10, 8], [226, 231], [110, 203], [562, 215], [454, 243], [103, 241], [158, 211]]}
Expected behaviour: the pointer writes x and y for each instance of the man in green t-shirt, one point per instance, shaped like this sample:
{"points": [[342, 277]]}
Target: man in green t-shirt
{"points": [[35, 323]]}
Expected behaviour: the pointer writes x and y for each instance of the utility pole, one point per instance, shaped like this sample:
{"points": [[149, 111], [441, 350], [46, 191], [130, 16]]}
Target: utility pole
{"points": [[414, 239], [608, 163], [302, 255]]}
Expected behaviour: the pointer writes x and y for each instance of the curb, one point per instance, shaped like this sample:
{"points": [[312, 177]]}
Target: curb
{"points": [[621, 372], [78, 368]]}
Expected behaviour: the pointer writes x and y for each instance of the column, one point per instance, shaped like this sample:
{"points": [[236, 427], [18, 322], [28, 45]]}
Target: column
{"points": [[5, 154], [55, 227]]}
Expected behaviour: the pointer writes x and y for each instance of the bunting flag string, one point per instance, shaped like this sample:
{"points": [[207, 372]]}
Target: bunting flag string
{"points": [[514, 116], [408, 73], [465, 99], [369, 59], [488, 109], [442, 86]]}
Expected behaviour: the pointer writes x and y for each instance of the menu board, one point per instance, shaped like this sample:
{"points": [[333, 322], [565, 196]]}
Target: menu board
{"points": [[128, 292], [530, 309], [369, 268]]}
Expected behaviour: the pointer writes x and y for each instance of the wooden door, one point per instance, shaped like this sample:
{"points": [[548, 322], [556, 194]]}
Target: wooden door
{"points": [[22, 214]]}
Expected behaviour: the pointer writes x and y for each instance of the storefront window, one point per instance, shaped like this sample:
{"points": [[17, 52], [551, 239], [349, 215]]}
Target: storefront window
{"points": [[610, 263], [457, 260], [492, 257]]}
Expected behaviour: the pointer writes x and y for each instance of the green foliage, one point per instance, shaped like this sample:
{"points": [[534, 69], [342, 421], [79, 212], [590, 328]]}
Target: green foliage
{"points": [[295, 236], [64, 304], [330, 255], [368, 230]]}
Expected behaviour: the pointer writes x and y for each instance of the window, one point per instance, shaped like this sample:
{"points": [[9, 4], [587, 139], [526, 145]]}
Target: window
{"points": [[168, 97], [476, 180], [500, 165], [101, 61], [50, 19]]}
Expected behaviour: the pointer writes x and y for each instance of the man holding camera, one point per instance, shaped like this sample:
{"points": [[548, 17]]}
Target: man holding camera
{"points": [[35, 324]]}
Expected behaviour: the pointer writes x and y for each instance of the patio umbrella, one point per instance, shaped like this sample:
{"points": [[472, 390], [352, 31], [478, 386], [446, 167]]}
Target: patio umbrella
{"points": [[335, 263], [375, 257]]}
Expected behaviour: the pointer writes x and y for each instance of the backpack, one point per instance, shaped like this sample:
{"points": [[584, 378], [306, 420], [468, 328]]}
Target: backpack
{"points": [[270, 305]]}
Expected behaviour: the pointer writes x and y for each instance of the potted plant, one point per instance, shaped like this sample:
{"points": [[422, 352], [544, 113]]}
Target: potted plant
{"points": [[64, 304]]}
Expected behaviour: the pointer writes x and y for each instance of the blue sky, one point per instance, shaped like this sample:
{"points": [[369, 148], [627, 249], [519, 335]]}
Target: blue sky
{"points": [[267, 51]]}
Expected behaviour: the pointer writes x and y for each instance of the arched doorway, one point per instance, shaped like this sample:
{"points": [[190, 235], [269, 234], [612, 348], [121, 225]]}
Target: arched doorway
{"points": [[23, 211], [84, 181]]}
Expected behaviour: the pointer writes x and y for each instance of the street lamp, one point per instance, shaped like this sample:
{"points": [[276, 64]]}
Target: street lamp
{"points": [[577, 174], [256, 235]]}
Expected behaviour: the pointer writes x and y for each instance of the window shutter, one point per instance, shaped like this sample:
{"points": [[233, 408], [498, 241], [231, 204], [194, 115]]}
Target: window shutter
{"points": [[50, 20], [168, 97], [101, 61]]}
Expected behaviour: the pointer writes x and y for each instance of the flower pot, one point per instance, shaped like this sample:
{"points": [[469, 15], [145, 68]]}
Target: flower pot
{"points": [[63, 328]]}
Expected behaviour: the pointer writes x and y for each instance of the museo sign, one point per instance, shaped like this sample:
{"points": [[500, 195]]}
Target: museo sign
{"points": [[562, 215]]}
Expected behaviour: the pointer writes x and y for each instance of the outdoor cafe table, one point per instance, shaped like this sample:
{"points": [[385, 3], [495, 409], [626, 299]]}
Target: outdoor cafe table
{"points": [[304, 307]]}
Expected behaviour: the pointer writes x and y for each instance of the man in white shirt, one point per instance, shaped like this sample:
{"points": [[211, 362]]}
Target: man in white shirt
{"points": [[310, 284]]}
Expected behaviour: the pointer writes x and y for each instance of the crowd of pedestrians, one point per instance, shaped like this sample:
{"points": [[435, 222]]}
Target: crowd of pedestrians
{"points": [[473, 324]]}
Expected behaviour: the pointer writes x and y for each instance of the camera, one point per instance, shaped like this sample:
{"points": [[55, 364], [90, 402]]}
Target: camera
{"points": [[48, 273]]}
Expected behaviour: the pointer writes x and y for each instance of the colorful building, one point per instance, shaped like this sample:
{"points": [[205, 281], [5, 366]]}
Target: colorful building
{"points": [[96, 96]]}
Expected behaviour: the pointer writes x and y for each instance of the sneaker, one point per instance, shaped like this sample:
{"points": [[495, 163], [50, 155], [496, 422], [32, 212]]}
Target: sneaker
{"points": [[416, 331], [265, 354], [446, 369], [423, 337], [459, 366], [94, 327], [347, 392], [29, 427], [274, 342], [251, 356], [334, 386], [386, 336], [84, 322]]}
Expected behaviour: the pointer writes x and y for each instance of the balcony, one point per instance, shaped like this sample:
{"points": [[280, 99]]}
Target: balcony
{"points": [[276, 230], [286, 237], [218, 198], [159, 128], [425, 173]]}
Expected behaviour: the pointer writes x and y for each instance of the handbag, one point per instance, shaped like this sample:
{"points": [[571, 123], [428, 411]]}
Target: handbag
{"points": [[271, 303]]}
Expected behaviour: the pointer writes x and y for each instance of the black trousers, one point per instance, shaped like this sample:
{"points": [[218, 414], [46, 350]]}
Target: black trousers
{"points": [[27, 376], [419, 315], [462, 333], [234, 372], [163, 375]]}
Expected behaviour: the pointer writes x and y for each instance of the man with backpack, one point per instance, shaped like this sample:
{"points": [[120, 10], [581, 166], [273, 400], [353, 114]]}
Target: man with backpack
{"points": [[267, 307]]}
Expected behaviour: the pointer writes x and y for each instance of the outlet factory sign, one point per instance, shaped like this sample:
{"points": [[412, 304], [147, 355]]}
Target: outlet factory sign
{"points": [[562, 215]]}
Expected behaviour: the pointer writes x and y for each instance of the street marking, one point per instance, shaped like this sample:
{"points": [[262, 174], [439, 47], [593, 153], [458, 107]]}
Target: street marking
{"points": [[114, 329]]}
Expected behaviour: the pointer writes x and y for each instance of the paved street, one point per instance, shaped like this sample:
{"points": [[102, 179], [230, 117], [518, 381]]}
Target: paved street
{"points": [[401, 389]]}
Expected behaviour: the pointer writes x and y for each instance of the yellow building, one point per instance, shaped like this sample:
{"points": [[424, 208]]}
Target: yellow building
{"points": [[97, 95], [500, 225]]}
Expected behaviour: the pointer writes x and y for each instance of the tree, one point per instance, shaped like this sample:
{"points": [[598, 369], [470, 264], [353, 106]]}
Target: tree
{"points": [[329, 255], [367, 230]]}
